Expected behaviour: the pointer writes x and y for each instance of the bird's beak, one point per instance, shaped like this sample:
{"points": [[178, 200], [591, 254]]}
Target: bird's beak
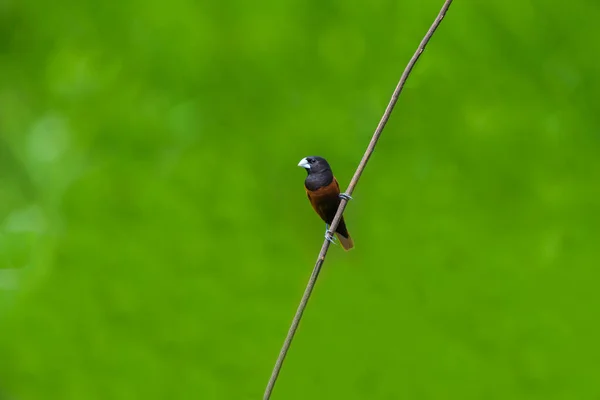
{"points": [[304, 164]]}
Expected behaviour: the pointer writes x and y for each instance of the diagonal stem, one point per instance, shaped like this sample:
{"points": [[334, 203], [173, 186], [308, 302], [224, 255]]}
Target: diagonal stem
{"points": [[336, 220]]}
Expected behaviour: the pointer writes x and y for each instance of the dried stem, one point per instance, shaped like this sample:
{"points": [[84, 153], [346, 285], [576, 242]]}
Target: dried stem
{"points": [[359, 170]]}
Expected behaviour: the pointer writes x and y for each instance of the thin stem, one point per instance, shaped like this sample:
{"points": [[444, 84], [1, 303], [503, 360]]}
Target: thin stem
{"points": [[336, 220]]}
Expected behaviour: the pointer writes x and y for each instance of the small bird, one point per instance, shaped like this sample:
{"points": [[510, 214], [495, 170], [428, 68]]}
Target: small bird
{"points": [[324, 194]]}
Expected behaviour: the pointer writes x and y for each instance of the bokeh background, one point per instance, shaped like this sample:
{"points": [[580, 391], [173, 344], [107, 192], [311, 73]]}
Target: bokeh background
{"points": [[155, 237]]}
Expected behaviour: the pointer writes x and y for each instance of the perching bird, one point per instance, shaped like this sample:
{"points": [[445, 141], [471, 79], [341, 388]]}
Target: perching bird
{"points": [[324, 194]]}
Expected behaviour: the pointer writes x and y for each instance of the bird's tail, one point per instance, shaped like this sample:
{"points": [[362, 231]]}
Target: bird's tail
{"points": [[346, 241], [342, 233]]}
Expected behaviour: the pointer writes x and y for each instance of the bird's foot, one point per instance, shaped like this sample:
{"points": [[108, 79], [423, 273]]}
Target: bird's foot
{"points": [[345, 196], [329, 236]]}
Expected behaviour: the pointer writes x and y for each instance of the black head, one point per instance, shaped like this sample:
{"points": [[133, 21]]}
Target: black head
{"points": [[314, 164]]}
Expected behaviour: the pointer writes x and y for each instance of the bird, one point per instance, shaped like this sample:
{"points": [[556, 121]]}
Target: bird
{"points": [[323, 192]]}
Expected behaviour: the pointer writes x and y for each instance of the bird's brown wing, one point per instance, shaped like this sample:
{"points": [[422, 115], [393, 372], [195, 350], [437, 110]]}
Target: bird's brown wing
{"points": [[325, 200]]}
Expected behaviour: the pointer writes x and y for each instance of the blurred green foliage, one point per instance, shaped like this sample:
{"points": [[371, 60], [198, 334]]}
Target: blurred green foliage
{"points": [[155, 237]]}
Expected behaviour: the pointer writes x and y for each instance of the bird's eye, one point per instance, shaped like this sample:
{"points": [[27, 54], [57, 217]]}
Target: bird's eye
{"points": [[310, 160]]}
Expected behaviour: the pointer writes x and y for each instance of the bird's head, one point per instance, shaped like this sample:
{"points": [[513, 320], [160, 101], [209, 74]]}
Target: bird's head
{"points": [[314, 164]]}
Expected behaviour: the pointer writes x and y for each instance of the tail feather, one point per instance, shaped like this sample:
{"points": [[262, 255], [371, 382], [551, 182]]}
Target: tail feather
{"points": [[346, 242]]}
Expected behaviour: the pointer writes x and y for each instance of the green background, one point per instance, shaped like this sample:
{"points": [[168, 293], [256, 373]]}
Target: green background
{"points": [[155, 237]]}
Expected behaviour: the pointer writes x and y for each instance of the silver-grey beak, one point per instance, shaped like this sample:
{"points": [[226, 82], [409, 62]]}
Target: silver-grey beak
{"points": [[304, 164]]}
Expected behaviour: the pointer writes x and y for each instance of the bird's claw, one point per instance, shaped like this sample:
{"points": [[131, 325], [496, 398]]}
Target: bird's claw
{"points": [[345, 196], [329, 236]]}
